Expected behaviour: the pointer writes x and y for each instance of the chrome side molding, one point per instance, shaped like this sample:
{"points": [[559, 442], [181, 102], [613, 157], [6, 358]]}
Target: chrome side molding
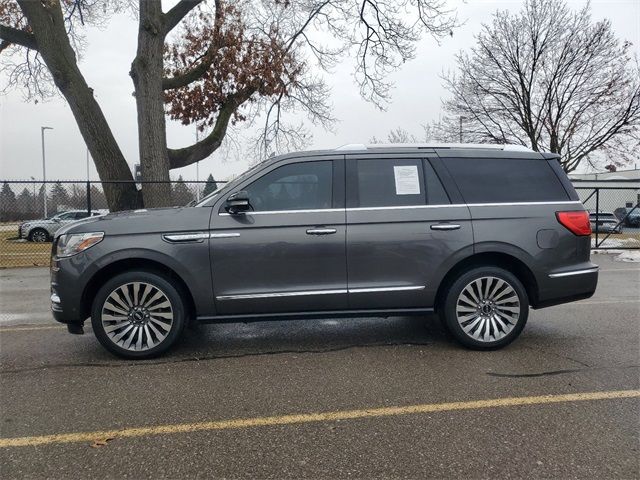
{"points": [[386, 289], [185, 237], [251, 296], [574, 272], [280, 294], [196, 236], [224, 235]]}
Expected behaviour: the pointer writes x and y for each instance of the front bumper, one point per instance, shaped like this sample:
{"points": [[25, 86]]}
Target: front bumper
{"points": [[65, 295]]}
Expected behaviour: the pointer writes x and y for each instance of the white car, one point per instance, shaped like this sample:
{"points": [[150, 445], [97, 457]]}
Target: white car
{"points": [[42, 230]]}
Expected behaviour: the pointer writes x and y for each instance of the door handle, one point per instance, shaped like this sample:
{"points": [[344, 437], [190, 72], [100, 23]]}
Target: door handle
{"points": [[321, 231], [445, 226]]}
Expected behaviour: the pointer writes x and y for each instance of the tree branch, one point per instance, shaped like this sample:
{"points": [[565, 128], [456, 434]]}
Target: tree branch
{"points": [[18, 37], [177, 81], [178, 12], [181, 157]]}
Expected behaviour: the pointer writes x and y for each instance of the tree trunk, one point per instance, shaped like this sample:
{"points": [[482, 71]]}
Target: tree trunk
{"points": [[53, 44], [147, 73]]}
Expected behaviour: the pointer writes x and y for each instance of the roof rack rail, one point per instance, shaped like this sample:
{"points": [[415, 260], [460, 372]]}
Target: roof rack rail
{"points": [[484, 146]]}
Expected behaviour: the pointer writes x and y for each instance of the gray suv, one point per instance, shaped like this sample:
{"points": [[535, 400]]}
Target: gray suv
{"points": [[475, 233]]}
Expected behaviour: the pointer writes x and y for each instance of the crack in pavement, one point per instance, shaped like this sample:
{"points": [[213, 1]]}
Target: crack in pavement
{"points": [[141, 363], [557, 372], [555, 354]]}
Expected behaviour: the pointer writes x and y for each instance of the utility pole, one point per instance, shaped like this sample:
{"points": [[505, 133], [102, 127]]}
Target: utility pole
{"points": [[44, 169], [461, 117]]}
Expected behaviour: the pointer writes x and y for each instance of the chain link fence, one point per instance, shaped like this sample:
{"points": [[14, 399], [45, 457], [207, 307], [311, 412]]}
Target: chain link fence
{"points": [[615, 216]]}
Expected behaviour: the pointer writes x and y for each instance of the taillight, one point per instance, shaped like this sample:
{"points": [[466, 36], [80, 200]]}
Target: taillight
{"points": [[576, 222]]}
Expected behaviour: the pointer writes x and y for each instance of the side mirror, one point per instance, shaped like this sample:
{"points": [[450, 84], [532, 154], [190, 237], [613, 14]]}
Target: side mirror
{"points": [[238, 203]]}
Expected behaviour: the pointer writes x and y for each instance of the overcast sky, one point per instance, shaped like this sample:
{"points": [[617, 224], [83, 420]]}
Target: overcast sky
{"points": [[415, 100]]}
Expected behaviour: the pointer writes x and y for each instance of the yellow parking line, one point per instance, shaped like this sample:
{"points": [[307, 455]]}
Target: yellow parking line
{"points": [[311, 418], [26, 329]]}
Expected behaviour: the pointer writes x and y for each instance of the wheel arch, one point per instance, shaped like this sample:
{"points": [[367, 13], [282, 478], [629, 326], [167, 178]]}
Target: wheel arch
{"points": [[503, 260], [124, 265]]}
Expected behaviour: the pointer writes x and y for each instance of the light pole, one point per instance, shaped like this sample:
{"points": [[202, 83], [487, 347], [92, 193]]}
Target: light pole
{"points": [[35, 199], [44, 169], [461, 118]]}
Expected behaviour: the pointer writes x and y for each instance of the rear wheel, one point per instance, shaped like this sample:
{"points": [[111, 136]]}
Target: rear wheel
{"points": [[39, 235], [486, 307], [138, 314]]}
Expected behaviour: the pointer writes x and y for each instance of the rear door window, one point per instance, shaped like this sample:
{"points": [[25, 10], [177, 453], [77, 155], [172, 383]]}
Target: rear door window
{"points": [[505, 180], [393, 183], [389, 183]]}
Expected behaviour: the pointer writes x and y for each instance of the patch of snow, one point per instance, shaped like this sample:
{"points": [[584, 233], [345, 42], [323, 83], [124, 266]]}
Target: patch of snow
{"points": [[628, 256]]}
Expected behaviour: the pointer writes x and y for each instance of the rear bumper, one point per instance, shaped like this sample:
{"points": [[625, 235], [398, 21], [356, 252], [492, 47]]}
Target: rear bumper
{"points": [[568, 285]]}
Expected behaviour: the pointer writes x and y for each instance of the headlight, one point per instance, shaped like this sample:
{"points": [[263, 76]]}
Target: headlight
{"points": [[74, 243]]}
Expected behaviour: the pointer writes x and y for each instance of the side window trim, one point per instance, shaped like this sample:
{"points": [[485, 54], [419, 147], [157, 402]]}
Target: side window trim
{"points": [[450, 186]]}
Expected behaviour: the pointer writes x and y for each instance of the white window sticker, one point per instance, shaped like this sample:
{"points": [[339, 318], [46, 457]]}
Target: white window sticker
{"points": [[407, 182]]}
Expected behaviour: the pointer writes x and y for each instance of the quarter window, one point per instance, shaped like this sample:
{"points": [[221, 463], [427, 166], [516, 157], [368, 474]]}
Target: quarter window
{"points": [[503, 180], [296, 186]]}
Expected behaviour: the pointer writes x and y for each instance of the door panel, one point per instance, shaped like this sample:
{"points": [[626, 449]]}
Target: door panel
{"points": [[397, 253], [279, 261], [397, 242]]}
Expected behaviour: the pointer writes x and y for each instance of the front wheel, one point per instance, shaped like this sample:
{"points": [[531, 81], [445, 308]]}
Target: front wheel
{"points": [[486, 307], [38, 235], [138, 314]]}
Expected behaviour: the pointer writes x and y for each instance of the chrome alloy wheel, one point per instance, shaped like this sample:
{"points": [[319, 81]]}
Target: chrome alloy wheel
{"points": [[488, 309], [137, 316]]}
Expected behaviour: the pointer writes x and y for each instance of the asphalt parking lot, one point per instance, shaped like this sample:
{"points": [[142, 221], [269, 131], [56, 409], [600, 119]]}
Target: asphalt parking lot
{"points": [[366, 398]]}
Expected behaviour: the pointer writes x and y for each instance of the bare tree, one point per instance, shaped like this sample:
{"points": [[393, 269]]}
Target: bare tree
{"points": [[548, 78], [213, 63], [397, 135]]}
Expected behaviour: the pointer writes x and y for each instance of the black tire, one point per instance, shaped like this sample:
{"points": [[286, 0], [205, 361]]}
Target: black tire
{"points": [[38, 235], [154, 282], [484, 314]]}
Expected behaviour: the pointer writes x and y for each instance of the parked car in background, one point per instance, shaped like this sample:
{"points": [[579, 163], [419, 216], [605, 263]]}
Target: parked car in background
{"points": [[43, 230], [475, 233], [605, 222], [633, 217]]}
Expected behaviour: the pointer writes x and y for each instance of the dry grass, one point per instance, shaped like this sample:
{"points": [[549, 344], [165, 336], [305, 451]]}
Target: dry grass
{"points": [[14, 253]]}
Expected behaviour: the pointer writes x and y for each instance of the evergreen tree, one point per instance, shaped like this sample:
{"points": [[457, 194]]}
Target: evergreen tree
{"points": [[181, 193], [210, 186], [59, 197], [26, 204], [8, 204]]}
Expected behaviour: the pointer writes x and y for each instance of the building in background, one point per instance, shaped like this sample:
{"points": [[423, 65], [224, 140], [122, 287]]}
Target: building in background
{"points": [[617, 189]]}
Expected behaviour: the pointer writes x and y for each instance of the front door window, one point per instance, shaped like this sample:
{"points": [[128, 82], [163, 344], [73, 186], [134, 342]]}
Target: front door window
{"points": [[297, 186]]}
